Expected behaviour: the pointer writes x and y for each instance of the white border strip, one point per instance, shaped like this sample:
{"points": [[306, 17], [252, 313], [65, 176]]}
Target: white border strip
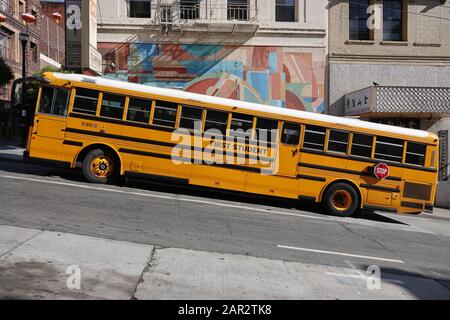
{"points": [[340, 254]]}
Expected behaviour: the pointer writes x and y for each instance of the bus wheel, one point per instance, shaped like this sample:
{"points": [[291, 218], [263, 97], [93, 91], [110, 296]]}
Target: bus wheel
{"points": [[341, 199], [100, 167]]}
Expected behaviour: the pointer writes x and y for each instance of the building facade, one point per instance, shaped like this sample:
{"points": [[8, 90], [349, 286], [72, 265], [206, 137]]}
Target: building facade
{"points": [[45, 47], [272, 52], [52, 34], [10, 45], [389, 62]]}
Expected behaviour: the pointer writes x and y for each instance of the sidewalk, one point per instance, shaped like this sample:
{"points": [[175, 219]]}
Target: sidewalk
{"points": [[9, 152], [37, 264]]}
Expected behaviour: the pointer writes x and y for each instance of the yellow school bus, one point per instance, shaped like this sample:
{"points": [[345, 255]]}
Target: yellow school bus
{"points": [[111, 129]]}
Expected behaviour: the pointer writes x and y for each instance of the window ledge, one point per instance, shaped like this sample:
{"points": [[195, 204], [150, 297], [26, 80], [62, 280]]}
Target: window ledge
{"points": [[360, 42], [394, 43], [417, 44]]}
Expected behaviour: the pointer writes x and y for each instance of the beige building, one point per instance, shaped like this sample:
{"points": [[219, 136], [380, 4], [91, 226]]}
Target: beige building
{"points": [[389, 62]]}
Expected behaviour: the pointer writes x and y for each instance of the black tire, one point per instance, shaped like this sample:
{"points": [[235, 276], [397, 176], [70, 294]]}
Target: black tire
{"points": [[104, 160], [341, 199]]}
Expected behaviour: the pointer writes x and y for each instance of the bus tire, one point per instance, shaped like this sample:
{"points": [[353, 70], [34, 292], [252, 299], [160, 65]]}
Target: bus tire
{"points": [[101, 167], [341, 199]]}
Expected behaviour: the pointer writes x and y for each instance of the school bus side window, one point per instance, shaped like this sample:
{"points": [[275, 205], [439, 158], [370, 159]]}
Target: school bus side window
{"points": [[389, 149], [241, 126], [338, 141], [165, 113], [139, 110], [216, 120], [190, 116], [415, 153], [85, 101], [266, 130], [314, 137], [291, 134], [54, 101], [362, 145], [112, 106]]}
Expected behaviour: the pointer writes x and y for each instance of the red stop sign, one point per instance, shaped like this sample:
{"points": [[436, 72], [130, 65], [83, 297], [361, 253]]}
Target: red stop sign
{"points": [[381, 171]]}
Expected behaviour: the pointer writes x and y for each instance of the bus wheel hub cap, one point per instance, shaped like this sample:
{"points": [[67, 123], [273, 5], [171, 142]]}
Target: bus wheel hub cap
{"points": [[101, 167], [342, 200]]}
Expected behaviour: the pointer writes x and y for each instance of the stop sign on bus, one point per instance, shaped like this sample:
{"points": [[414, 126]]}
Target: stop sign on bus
{"points": [[381, 171]]}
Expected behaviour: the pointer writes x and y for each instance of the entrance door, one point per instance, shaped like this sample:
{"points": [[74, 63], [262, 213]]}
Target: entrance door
{"points": [[49, 124], [289, 150]]}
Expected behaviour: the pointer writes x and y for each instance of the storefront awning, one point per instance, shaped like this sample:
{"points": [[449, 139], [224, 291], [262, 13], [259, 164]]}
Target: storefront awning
{"points": [[415, 101]]}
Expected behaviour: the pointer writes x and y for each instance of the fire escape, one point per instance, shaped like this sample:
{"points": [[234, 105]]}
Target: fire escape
{"points": [[237, 16]]}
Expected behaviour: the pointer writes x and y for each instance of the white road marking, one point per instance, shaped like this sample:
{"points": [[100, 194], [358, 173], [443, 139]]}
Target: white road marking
{"points": [[217, 204], [362, 277], [165, 197], [343, 275], [340, 254]]}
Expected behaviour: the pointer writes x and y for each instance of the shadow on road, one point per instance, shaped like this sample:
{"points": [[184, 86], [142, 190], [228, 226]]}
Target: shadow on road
{"points": [[77, 176], [419, 285]]}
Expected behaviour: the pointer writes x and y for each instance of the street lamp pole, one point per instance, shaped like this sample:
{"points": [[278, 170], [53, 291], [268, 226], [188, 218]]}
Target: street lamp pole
{"points": [[24, 37], [25, 112]]}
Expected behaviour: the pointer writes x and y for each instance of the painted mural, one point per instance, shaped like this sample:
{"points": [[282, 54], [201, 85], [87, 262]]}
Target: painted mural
{"points": [[285, 77]]}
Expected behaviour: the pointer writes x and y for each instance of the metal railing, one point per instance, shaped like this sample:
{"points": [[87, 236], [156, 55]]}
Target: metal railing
{"points": [[189, 10], [238, 12], [186, 12]]}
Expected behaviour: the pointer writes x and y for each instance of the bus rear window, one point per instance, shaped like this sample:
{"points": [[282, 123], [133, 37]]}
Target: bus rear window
{"points": [[389, 149], [165, 114], [415, 153], [85, 101]]}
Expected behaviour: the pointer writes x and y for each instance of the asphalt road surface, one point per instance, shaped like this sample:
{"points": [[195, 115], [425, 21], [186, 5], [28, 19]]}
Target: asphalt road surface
{"points": [[192, 218]]}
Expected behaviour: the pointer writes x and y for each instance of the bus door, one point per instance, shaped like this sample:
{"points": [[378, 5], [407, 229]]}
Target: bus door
{"points": [[289, 150], [22, 110], [49, 124]]}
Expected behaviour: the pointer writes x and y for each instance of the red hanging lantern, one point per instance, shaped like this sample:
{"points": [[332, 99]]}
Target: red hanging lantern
{"points": [[57, 16], [28, 18], [2, 18]]}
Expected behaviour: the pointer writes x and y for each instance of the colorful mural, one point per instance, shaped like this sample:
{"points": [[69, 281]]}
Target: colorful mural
{"points": [[279, 76]]}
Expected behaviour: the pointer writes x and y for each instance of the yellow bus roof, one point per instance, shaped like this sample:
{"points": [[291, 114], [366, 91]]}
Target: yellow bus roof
{"points": [[241, 105]]}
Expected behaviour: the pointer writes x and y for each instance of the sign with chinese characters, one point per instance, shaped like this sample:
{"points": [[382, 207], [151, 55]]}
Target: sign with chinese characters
{"points": [[443, 156], [358, 102], [411, 123]]}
